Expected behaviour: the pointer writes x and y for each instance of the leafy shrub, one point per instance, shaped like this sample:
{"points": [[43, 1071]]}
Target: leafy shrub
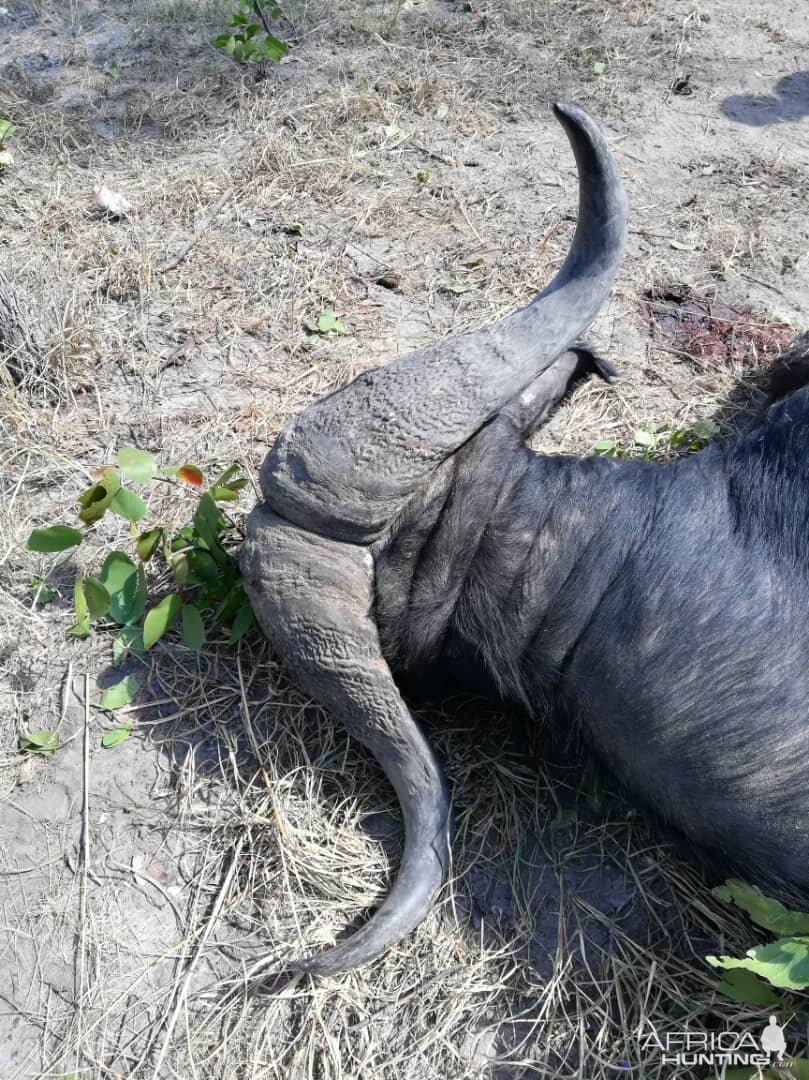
{"points": [[247, 42], [783, 963], [657, 441], [209, 588]]}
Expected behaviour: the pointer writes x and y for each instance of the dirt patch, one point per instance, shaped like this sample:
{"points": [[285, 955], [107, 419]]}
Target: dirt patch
{"points": [[403, 170]]}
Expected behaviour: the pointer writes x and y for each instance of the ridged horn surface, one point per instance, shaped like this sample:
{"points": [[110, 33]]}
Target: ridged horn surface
{"points": [[347, 464]]}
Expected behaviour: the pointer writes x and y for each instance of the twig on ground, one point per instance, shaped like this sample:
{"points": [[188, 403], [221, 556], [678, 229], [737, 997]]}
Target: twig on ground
{"points": [[204, 225], [85, 866], [192, 963]]}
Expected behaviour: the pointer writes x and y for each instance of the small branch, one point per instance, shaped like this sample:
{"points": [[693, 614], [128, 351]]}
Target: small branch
{"points": [[200, 232], [182, 990], [259, 10], [85, 867], [66, 689]]}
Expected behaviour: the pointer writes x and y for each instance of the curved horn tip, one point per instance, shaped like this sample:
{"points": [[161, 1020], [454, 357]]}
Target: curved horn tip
{"points": [[424, 867], [577, 122], [562, 107], [567, 112]]}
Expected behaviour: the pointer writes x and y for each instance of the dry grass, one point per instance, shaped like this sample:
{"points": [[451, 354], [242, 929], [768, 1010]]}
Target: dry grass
{"points": [[240, 828]]}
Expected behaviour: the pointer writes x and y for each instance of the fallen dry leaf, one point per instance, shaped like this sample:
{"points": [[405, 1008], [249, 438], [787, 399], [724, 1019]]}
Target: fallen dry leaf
{"points": [[112, 201]]}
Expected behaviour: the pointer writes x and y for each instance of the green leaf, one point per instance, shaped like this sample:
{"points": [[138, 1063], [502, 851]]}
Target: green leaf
{"points": [[328, 322], [115, 697], [43, 594], [44, 743], [221, 41], [193, 629], [204, 567], [604, 446], [128, 505], [7, 129], [275, 49], [98, 599], [119, 577], [184, 539], [228, 479], [645, 438], [160, 618], [783, 963], [96, 500], [209, 513], [129, 639], [116, 736], [227, 475], [599, 67], [242, 622], [234, 598], [81, 627], [54, 538], [139, 605], [180, 569], [762, 910], [137, 465], [224, 494], [705, 429], [744, 986], [147, 543], [208, 523]]}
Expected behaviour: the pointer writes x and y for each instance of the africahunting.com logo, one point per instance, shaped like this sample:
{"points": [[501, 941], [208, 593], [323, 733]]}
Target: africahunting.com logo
{"points": [[758, 1049]]}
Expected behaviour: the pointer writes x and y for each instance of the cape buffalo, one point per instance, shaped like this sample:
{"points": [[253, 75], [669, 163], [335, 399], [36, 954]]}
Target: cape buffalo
{"points": [[660, 607]]}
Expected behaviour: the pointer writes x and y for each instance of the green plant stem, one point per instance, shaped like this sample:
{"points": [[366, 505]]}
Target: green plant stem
{"points": [[56, 566]]}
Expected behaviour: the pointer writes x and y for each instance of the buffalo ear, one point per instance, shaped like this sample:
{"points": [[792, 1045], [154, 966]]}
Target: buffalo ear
{"points": [[790, 371], [531, 408]]}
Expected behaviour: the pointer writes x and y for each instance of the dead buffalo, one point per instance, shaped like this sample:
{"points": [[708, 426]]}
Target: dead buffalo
{"points": [[660, 608]]}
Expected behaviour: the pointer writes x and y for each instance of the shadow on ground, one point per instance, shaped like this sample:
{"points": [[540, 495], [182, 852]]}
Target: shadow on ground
{"points": [[788, 103]]}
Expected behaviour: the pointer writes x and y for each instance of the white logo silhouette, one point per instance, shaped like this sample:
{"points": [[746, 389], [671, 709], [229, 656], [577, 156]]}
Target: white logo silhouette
{"points": [[772, 1038]]}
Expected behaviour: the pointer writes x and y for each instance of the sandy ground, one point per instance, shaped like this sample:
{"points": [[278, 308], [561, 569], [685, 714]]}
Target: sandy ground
{"points": [[404, 169]]}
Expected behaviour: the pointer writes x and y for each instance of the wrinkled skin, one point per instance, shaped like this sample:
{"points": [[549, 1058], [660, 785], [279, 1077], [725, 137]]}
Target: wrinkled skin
{"points": [[661, 607], [407, 527]]}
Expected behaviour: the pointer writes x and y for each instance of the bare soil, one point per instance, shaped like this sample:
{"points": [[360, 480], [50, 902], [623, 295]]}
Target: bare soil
{"points": [[404, 169]]}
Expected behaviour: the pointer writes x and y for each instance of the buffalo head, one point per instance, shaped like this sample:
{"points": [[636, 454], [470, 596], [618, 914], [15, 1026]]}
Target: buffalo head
{"points": [[339, 476]]}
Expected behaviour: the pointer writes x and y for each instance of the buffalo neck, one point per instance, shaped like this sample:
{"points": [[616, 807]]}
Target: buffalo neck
{"points": [[502, 562]]}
